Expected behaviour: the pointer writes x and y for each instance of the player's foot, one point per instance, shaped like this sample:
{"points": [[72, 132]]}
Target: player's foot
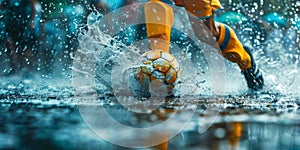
{"points": [[253, 75]]}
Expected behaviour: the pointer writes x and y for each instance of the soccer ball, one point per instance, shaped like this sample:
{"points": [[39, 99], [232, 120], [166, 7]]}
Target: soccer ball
{"points": [[159, 65]]}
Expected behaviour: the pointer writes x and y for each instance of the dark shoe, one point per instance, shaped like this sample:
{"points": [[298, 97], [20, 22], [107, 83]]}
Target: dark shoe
{"points": [[252, 75]]}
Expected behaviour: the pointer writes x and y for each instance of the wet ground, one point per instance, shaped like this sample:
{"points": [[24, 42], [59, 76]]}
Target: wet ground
{"points": [[51, 120]]}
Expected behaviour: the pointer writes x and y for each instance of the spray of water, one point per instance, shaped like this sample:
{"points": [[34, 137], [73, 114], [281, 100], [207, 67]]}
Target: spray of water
{"points": [[105, 51]]}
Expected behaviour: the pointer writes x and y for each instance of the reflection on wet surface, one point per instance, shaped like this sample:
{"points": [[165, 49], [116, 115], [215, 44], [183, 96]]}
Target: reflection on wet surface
{"points": [[39, 124]]}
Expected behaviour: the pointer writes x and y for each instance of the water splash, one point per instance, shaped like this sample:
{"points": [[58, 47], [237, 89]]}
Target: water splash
{"points": [[279, 62], [106, 51]]}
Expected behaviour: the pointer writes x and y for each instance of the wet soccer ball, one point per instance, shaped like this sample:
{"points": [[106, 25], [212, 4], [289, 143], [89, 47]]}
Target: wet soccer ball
{"points": [[159, 65]]}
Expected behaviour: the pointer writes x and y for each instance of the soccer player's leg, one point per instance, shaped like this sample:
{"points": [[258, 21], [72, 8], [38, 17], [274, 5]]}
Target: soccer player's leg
{"points": [[231, 47], [233, 50], [159, 18]]}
